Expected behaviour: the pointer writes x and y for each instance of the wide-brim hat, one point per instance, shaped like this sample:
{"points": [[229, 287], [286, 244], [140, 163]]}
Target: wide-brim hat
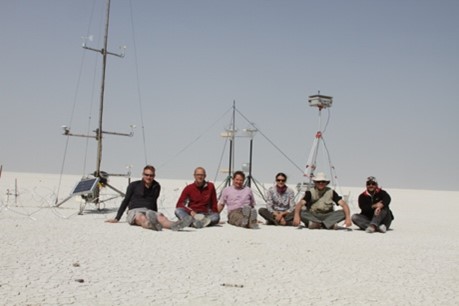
{"points": [[320, 177]]}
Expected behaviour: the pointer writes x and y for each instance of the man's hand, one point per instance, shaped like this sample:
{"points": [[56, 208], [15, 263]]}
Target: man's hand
{"points": [[296, 221], [111, 220], [378, 206], [278, 216], [348, 222]]}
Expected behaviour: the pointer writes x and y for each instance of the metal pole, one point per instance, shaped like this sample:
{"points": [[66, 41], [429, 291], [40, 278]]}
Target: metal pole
{"points": [[312, 159], [230, 158], [233, 135], [102, 88], [250, 162]]}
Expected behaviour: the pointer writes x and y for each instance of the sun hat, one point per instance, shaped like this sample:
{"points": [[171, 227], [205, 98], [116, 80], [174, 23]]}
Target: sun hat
{"points": [[320, 177]]}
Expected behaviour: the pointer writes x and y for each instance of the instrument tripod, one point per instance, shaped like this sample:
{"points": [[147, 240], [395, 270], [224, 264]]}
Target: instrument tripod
{"points": [[321, 102]]}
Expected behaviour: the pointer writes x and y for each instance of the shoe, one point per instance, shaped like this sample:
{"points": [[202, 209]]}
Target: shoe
{"points": [[200, 221], [153, 221], [370, 229], [181, 224], [382, 228], [254, 226], [246, 215], [314, 225]]}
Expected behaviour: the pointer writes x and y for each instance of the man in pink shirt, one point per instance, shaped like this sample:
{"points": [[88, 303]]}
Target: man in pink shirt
{"points": [[239, 202]]}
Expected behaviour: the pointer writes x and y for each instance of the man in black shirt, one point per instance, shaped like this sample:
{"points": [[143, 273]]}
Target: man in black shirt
{"points": [[141, 200], [375, 215]]}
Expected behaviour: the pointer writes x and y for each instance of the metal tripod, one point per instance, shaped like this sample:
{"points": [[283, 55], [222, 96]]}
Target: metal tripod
{"points": [[321, 102]]}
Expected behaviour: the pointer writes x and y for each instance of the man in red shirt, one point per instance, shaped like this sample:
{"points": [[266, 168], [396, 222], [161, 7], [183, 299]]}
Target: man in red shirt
{"points": [[199, 200]]}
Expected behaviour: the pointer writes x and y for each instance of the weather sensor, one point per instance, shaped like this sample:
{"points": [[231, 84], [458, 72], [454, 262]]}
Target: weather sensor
{"points": [[320, 101]]}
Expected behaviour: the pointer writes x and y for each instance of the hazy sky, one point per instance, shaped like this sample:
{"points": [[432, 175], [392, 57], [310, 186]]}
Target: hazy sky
{"points": [[391, 66]]}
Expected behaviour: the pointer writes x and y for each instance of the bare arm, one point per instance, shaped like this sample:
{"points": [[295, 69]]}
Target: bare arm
{"points": [[347, 213], [296, 217], [124, 203]]}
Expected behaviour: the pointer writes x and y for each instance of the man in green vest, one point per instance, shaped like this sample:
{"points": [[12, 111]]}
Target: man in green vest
{"points": [[320, 202]]}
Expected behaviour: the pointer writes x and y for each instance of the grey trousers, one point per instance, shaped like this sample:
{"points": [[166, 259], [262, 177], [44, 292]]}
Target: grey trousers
{"points": [[327, 219], [181, 213], [132, 213], [268, 216], [362, 221], [243, 217]]}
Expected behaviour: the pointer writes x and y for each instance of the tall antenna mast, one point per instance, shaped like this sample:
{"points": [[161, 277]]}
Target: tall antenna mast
{"points": [[99, 131], [98, 174], [104, 53], [102, 91]]}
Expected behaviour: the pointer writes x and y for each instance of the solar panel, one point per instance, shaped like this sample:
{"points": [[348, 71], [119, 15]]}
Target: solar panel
{"points": [[85, 186]]}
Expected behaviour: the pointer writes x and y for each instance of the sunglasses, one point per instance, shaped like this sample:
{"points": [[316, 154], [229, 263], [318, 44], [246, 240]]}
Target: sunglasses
{"points": [[280, 180], [371, 184], [321, 182], [148, 175]]}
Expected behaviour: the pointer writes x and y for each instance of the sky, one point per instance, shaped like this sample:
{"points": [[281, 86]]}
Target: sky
{"points": [[392, 68]]}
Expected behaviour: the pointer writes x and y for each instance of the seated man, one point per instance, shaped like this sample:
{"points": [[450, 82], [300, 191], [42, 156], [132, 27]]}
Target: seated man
{"points": [[279, 203], [375, 213], [141, 199], [320, 202], [199, 200], [239, 202]]}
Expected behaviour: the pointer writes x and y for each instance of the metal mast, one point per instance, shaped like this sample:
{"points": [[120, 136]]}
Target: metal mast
{"points": [[232, 142], [102, 90], [99, 131]]}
